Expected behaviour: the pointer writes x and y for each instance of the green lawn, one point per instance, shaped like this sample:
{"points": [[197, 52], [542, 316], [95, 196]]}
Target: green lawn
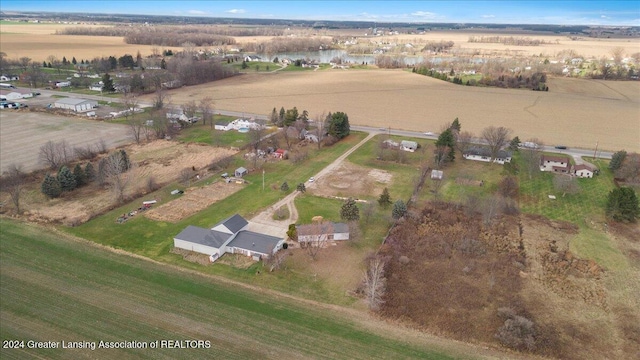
{"points": [[58, 289]]}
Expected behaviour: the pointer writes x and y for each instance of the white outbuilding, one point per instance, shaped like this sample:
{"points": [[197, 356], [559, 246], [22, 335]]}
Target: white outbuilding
{"points": [[77, 105]]}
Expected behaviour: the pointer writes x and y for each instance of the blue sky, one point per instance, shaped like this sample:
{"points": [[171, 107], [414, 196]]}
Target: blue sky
{"points": [[585, 12]]}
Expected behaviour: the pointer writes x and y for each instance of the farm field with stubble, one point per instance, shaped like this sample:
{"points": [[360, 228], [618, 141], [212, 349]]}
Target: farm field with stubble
{"points": [[575, 112], [57, 288]]}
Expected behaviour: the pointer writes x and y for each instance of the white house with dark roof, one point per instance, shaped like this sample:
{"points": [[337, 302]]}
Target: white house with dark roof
{"points": [[228, 236], [484, 154]]}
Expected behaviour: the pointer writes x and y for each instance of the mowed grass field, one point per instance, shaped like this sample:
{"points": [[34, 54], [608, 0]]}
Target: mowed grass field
{"points": [[577, 113], [55, 288]]}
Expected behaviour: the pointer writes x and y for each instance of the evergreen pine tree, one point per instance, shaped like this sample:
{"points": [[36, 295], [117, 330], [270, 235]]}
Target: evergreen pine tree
{"points": [[455, 125], [126, 164], [349, 210], [107, 83], [399, 209], [66, 179], [447, 139], [284, 186], [89, 173], [51, 187], [617, 159], [281, 115], [385, 198], [65, 62], [301, 187], [622, 205], [79, 175], [74, 61], [44, 64]]}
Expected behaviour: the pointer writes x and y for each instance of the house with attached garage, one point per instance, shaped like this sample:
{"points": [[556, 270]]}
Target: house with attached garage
{"points": [[15, 94], [323, 231], [484, 154], [559, 164], [228, 236]]}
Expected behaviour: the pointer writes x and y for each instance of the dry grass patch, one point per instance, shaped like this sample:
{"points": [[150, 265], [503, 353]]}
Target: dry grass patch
{"points": [[350, 180], [192, 202]]}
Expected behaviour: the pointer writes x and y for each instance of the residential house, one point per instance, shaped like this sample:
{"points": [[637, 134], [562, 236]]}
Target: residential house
{"points": [[252, 58], [559, 164], [96, 86], [15, 94], [228, 236], [324, 231], [484, 154], [390, 143], [583, 171], [410, 146], [74, 104], [223, 126]]}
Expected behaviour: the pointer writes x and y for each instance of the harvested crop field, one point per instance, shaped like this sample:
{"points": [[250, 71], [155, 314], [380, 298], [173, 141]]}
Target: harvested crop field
{"points": [[577, 113], [22, 133], [193, 201], [39, 41]]}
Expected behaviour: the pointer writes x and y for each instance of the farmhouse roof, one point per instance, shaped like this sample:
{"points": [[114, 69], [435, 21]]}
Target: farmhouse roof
{"points": [[202, 236], [73, 101], [234, 223], [323, 228], [582, 167], [255, 242], [482, 151], [560, 159], [410, 144]]}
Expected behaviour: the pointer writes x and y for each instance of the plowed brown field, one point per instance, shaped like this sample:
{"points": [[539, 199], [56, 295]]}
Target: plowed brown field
{"points": [[577, 113]]}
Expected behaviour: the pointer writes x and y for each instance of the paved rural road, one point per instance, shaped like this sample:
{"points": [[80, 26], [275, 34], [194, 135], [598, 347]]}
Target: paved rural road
{"points": [[264, 221]]}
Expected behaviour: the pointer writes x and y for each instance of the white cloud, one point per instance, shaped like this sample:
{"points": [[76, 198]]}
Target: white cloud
{"points": [[196, 12], [236, 11], [487, 16], [604, 16], [424, 14]]}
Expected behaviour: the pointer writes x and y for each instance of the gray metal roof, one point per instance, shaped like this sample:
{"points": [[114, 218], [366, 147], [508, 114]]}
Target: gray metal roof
{"points": [[249, 240], [234, 223], [482, 151], [74, 101], [202, 236]]}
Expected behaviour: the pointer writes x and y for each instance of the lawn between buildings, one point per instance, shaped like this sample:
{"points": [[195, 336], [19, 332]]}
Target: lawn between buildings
{"points": [[56, 288], [154, 239]]}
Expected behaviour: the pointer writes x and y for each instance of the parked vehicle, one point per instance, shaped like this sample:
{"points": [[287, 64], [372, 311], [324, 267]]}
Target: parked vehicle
{"points": [[561, 147]]}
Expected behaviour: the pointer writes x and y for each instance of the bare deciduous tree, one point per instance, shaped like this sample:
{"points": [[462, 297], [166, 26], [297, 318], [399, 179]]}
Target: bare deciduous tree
{"points": [[618, 54], [160, 98], [12, 182], [55, 155], [496, 138], [185, 176], [189, 108], [114, 173], [567, 184], [464, 141], [315, 236], [531, 155], [375, 283], [206, 107]]}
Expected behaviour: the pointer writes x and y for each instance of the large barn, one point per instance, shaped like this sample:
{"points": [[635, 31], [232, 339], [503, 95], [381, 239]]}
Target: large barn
{"points": [[77, 105]]}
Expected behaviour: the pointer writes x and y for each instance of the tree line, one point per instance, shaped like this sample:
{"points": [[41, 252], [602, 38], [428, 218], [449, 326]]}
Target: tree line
{"points": [[507, 40]]}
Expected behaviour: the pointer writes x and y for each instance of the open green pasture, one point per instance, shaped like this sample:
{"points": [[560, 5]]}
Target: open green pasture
{"points": [[55, 288]]}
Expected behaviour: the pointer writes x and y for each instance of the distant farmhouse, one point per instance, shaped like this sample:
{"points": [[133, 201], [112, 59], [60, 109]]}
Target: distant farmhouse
{"points": [[228, 236], [14, 94], [559, 164]]}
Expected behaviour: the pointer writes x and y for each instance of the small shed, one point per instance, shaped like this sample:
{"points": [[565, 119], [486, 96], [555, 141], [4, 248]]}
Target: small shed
{"points": [[241, 171], [436, 174], [77, 105]]}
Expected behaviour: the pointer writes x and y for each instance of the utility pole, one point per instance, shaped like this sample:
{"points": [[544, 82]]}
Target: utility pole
{"points": [[262, 179], [595, 152]]}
